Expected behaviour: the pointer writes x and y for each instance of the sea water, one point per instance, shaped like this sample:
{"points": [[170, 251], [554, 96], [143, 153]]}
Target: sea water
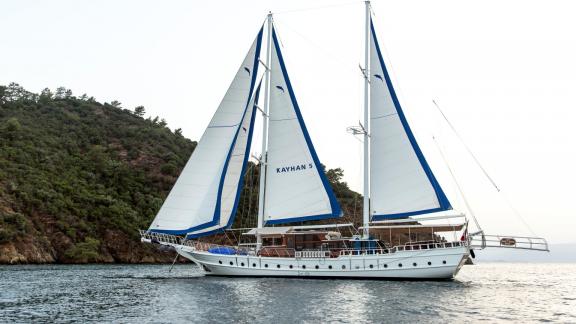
{"points": [[490, 292]]}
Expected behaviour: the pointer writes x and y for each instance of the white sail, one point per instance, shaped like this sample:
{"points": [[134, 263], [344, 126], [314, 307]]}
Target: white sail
{"points": [[233, 179], [296, 186], [401, 182], [206, 191]]}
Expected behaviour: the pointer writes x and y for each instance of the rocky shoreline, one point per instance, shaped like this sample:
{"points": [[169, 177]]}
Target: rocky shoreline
{"points": [[31, 250]]}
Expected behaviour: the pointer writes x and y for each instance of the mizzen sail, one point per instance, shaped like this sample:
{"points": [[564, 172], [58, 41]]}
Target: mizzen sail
{"points": [[401, 181]]}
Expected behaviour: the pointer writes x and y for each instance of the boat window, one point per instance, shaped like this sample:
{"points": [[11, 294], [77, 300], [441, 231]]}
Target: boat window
{"points": [[242, 264], [329, 267], [444, 262], [303, 266], [371, 266], [266, 266], [317, 267], [220, 261], [400, 265], [385, 266], [231, 263], [343, 267], [290, 266], [278, 266], [254, 265], [429, 263], [414, 264]]}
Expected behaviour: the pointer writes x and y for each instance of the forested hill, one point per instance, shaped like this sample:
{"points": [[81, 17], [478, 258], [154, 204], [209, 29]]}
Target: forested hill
{"points": [[78, 178]]}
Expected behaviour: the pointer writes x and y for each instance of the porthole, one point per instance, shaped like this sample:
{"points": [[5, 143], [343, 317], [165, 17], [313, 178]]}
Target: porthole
{"points": [[371, 266], [385, 266], [414, 264], [429, 263], [231, 263], [303, 266], [220, 261], [278, 266], [399, 265], [343, 267], [357, 267], [242, 264], [317, 267], [444, 262], [254, 265], [266, 266], [290, 266], [329, 267]]}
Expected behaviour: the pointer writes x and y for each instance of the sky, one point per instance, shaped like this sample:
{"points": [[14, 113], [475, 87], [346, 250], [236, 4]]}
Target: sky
{"points": [[503, 72]]}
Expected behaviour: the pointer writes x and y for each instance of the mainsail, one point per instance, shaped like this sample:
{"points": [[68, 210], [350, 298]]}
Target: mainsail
{"points": [[205, 196], [401, 181], [296, 187]]}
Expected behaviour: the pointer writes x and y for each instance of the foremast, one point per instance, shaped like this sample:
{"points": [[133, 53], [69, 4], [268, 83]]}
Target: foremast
{"points": [[264, 157]]}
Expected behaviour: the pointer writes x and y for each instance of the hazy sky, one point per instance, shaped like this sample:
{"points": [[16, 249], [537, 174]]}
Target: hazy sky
{"points": [[504, 72]]}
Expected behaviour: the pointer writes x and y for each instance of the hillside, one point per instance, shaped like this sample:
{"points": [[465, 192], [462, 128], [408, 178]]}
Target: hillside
{"points": [[78, 178]]}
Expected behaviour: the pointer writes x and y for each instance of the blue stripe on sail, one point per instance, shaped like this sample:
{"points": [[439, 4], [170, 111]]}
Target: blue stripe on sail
{"points": [[216, 217], [241, 182], [301, 219], [336, 210], [442, 199], [407, 214], [225, 170]]}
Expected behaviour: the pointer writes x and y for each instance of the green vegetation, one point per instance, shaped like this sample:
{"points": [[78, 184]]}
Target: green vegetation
{"points": [[74, 166], [86, 251], [78, 174]]}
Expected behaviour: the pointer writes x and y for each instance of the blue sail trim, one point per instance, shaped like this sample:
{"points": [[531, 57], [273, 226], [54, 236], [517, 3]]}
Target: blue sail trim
{"points": [[216, 217], [302, 219], [336, 210], [407, 214], [440, 195], [252, 83], [241, 182]]}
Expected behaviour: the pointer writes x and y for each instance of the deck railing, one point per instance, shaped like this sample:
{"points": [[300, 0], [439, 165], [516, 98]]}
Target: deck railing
{"points": [[160, 237], [312, 254], [406, 247], [482, 241], [279, 251]]}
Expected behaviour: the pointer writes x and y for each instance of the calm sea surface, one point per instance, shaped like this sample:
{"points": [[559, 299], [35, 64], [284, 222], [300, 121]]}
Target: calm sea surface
{"points": [[490, 292]]}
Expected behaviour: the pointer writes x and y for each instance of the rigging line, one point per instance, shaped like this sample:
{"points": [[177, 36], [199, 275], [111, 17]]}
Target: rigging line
{"points": [[466, 146], [282, 119], [248, 220], [457, 184], [326, 52], [172, 266], [517, 214], [320, 7], [275, 26], [383, 116]]}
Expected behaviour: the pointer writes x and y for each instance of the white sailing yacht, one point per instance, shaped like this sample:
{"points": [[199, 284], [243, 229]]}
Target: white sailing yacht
{"points": [[400, 189]]}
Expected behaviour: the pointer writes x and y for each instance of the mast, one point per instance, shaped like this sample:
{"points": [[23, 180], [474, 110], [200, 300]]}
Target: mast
{"points": [[264, 158], [366, 204]]}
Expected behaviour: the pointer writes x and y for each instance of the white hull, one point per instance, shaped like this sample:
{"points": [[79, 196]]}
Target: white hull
{"points": [[419, 264]]}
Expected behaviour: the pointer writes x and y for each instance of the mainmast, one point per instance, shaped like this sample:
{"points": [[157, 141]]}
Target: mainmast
{"points": [[264, 157], [366, 209]]}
